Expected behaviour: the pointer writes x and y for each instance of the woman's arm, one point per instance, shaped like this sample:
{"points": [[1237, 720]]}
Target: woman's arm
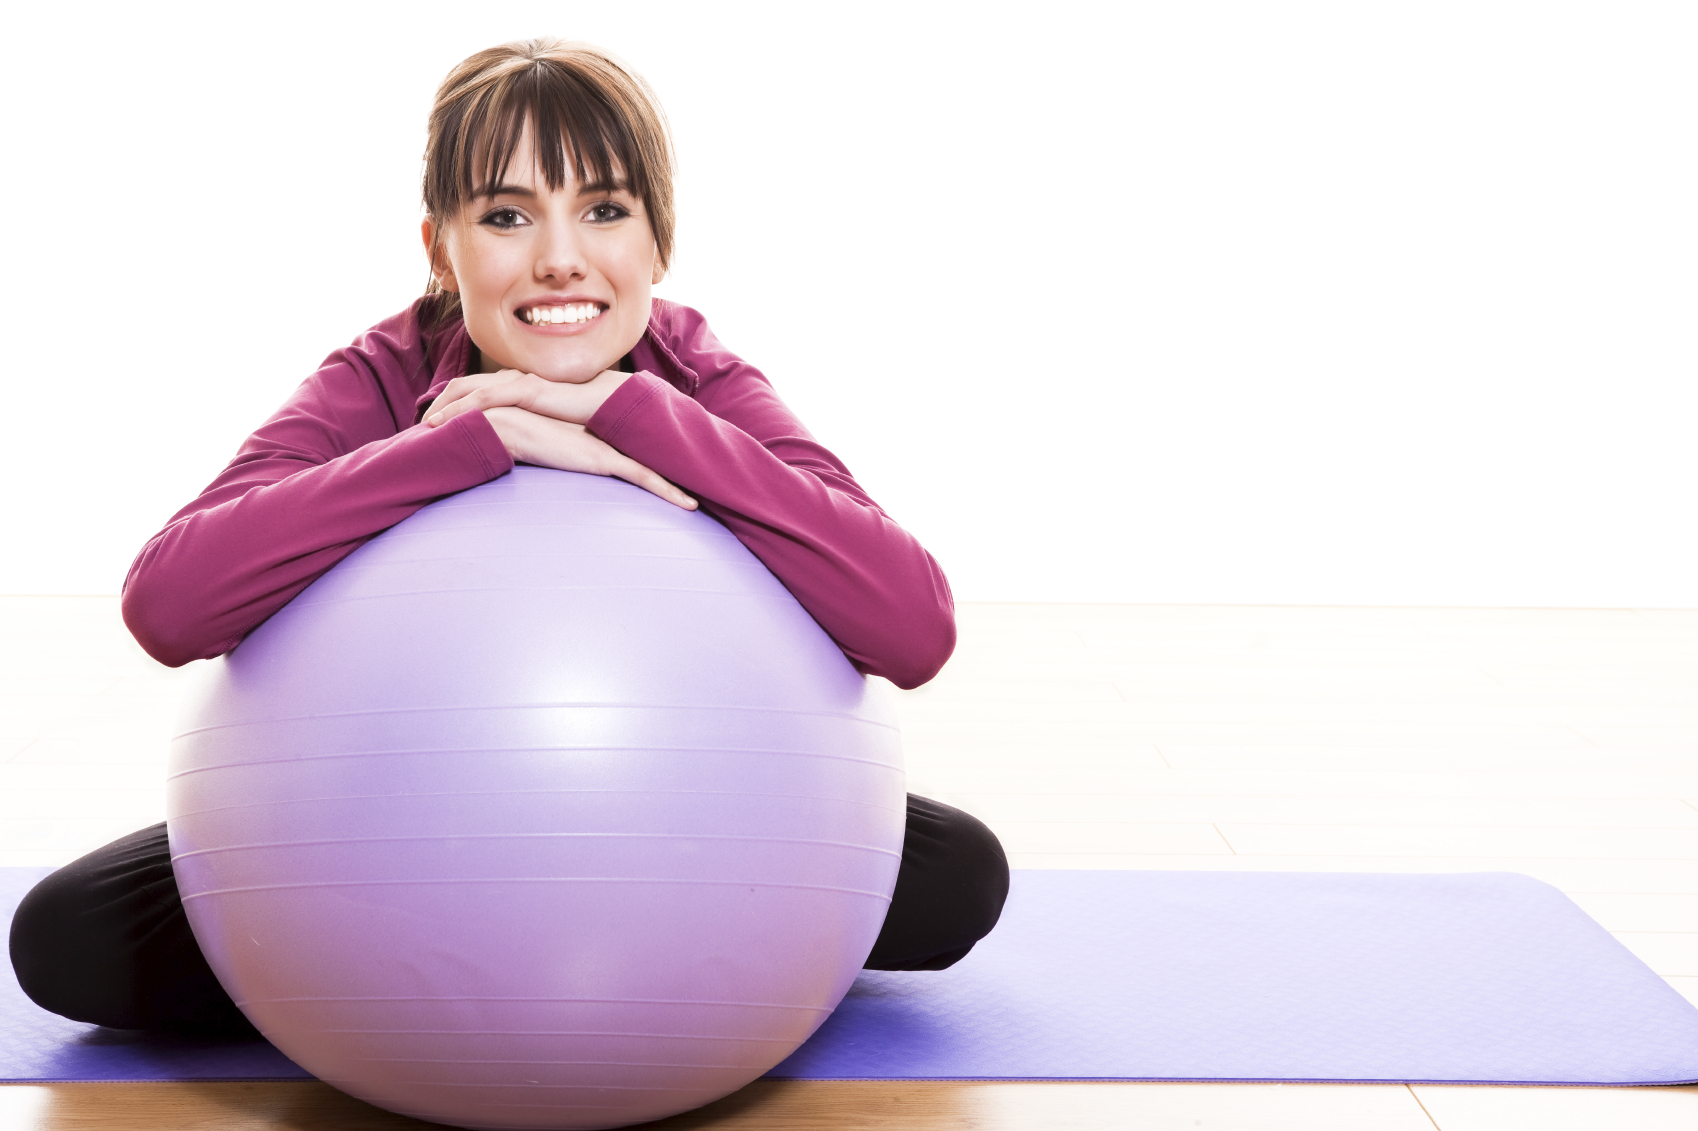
{"points": [[338, 464], [734, 445]]}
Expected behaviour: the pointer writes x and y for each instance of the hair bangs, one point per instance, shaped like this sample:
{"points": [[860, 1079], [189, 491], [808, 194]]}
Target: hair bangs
{"points": [[575, 135]]}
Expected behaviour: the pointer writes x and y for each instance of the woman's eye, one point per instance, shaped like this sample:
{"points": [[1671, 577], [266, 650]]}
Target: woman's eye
{"points": [[606, 212], [503, 219]]}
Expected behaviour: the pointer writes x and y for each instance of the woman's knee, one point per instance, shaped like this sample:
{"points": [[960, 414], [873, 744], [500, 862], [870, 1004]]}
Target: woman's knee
{"points": [[49, 945], [949, 891], [104, 940], [952, 856], [70, 936]]}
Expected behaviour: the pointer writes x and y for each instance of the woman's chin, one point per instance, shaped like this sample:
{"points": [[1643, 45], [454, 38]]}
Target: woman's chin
{"points": [[573, 375], [567, 370]]}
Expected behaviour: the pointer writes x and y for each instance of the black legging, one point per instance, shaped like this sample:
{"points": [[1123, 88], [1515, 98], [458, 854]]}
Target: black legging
{"points": [[104, 939]]}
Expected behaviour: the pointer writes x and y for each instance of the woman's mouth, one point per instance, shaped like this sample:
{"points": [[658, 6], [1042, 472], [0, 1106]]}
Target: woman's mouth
{"points": [[560, 314]]}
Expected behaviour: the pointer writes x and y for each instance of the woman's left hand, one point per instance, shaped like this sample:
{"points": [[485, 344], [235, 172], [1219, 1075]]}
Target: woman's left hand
{"points": [[572, 402]]}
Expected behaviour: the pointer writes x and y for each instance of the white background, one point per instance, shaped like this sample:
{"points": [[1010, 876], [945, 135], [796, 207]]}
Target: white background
{"points": [[1182, 302]]}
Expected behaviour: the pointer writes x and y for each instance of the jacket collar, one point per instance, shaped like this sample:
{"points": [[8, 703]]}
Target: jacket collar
{"points": [[656, 352], [447, 354]]}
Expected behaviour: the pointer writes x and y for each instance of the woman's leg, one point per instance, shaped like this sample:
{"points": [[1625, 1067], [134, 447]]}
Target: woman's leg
{"points": [[949, 891], [104, 940]]}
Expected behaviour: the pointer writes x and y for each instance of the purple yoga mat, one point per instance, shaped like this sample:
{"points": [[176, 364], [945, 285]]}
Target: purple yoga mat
{"points": [[1485, 977], [1466, 978]]}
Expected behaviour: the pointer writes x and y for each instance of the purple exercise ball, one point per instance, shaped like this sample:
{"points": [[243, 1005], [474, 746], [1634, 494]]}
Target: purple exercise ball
{"points": [[547, 808]]}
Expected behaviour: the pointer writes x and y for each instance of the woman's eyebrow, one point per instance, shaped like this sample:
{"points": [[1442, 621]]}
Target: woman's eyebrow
{"points": [[503, 189]]}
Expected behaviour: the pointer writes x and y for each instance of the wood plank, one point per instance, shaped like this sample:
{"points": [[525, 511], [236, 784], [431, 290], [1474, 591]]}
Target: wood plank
{"points": [[1560, 1109], [766, 1105]]}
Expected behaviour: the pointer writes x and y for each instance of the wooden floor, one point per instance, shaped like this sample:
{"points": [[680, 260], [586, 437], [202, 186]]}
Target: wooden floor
{"points": [[802, 1105], [1561, 744]]}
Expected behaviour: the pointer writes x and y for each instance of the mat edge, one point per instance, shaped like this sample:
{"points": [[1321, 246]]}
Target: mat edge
{"points": [[1241, 1080], [10, 1081]]}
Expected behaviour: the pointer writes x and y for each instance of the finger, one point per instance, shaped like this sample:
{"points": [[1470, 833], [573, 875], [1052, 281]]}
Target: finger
{"points": [[464, 386], [460, 386], [635, 473], [496, 396], [447, 396], [515, 390]]}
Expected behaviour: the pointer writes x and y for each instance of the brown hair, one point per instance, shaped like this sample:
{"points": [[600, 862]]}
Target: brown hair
{"points": [[577, 98]]}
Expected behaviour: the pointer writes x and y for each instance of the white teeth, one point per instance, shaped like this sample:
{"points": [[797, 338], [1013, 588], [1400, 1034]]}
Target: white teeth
{"points": [[569, 313]]}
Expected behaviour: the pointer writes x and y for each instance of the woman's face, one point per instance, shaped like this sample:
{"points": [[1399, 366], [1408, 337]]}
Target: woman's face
{"points": [[553, 282]]}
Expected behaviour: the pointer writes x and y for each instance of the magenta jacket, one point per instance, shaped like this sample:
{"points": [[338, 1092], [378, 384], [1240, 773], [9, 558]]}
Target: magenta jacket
{"points": [[346, 458]]}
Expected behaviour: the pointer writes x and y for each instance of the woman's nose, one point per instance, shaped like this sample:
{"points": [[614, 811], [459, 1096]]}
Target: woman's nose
{"points": [[561, 256]]}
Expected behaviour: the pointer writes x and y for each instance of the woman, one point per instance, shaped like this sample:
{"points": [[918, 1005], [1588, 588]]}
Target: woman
{"points": [[548, 194]]}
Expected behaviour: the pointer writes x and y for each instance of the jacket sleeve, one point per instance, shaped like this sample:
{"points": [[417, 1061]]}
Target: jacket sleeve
{"points": [[331, 470], [737, 448]]}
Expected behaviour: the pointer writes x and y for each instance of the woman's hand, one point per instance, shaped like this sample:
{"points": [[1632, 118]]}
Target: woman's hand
{"points": [[531, 437], [572, 402]]}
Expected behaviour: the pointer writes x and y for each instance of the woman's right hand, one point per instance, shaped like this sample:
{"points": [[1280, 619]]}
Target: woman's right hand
{"points": [[547, 442]]}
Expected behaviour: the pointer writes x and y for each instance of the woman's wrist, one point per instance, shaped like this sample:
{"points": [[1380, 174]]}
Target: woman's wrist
{"points": [[597, 391]]}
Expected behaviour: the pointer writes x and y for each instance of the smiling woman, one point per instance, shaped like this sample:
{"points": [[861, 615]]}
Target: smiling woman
{"points": [[548, 200], [548, 188]]}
